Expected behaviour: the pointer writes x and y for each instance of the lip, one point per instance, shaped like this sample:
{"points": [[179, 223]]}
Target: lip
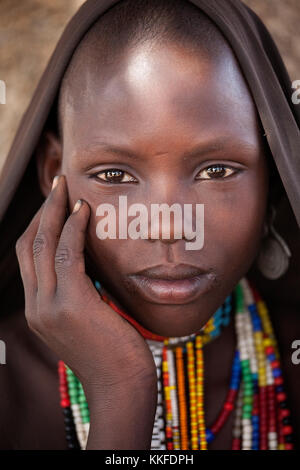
{"points": [[172, 284]]}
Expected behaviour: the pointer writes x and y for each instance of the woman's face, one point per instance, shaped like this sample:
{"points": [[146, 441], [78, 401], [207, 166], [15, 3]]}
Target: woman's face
{"points": [[179, 128]]}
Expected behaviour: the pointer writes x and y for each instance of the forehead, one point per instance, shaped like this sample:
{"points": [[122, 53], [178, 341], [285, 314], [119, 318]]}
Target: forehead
{"points": [[158, 92]]}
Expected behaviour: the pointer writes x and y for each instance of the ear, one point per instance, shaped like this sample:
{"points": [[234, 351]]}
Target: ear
{"points": [[48, 160]]}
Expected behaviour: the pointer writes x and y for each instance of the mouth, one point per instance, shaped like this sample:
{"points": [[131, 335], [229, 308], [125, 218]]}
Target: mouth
{"points": [[172, 284]]}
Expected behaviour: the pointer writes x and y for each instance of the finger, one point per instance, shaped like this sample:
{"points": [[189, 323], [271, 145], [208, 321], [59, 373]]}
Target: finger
{"points": [[49, 231], [24, 252], [69, 259]]}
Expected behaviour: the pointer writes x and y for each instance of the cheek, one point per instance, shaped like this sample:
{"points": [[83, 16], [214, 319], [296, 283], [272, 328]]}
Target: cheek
{"points": [[108, 253], [233, 225]]}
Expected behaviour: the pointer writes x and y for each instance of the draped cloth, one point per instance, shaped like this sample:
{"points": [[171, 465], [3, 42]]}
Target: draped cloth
{"points": [[260, 63]]}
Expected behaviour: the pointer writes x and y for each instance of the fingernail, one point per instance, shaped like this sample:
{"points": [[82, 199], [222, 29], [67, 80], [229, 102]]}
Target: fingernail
{"points": [[55, 181], [77, 205]]}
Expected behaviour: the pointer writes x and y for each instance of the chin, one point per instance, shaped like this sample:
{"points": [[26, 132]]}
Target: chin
{"points": [[173, 320]]}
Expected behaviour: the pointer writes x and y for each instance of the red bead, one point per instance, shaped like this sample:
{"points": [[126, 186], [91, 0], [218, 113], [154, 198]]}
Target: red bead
{"points": [[287, 430], [232, 395], [65, 403], [284, 413], [269, 349], [278, 380], [288, 446], [262, 391], [275, 364], [281, 396], [236, 444], [228, 406]]}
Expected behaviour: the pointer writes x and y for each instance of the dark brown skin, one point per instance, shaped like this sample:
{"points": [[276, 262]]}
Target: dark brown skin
{"points": [[191, 106]]}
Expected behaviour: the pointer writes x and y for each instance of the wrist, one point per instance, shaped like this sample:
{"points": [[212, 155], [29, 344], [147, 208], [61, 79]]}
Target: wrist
{"points": [[102, 390], [122, 417]]}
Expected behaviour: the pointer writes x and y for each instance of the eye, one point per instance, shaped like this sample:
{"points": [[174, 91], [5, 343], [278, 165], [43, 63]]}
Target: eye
{"points": [[216, 171], [114, 175]]}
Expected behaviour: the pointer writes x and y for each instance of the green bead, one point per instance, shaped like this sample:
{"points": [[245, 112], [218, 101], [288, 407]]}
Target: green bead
{"points": [[245, 363], [71, 380], [86, 419], [84, 412], [247, 409], [239, 298], [248, 380], [248, 386], [83, 408], [72, 386], [248, 400]]}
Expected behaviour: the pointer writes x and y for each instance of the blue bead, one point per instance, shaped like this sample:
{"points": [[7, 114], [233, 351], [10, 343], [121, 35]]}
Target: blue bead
{"points": [[209, 435], [215, 332], [276, 372]]}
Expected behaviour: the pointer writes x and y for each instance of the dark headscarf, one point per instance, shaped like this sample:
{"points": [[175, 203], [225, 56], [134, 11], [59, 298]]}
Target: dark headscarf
{"points": [[263, 70]]}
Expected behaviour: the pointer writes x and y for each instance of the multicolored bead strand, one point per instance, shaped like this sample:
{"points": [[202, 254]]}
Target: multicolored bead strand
{"points": [[71, 435], [182, 399], [158, 441], [256, 392], [230, 399], [237, 426], [173, 396], [200, 393], [168, 405], [192, 394]]}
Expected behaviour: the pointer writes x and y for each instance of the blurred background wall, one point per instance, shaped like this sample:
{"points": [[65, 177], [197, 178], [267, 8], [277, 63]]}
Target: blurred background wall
{"points": [[29, 30]]}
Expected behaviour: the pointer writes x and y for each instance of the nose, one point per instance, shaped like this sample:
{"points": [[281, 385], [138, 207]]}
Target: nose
{"points": [[166, 223]]}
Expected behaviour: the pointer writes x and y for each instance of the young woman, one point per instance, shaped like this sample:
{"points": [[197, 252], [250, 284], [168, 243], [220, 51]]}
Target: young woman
{"points": [[162, 102]]}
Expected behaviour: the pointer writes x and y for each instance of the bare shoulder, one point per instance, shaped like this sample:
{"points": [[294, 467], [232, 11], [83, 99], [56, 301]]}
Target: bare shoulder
{"points": [[30, 415]]}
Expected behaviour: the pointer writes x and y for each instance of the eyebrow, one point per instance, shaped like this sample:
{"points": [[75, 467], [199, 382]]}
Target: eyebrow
{"points": [[215, 145]]}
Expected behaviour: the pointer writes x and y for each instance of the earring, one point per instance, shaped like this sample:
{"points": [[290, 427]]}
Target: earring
{"points": [[274, 255]]}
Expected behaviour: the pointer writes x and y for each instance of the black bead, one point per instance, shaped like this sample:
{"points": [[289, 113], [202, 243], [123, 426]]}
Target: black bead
{"points": [[72, 445], [68, 420], [283, 404], [69, 429], [286, 420], [67, 411], [288, 438]]}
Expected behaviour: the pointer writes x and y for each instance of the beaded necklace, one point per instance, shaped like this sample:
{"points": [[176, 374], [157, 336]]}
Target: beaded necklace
{"points": [[256, 391]]}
